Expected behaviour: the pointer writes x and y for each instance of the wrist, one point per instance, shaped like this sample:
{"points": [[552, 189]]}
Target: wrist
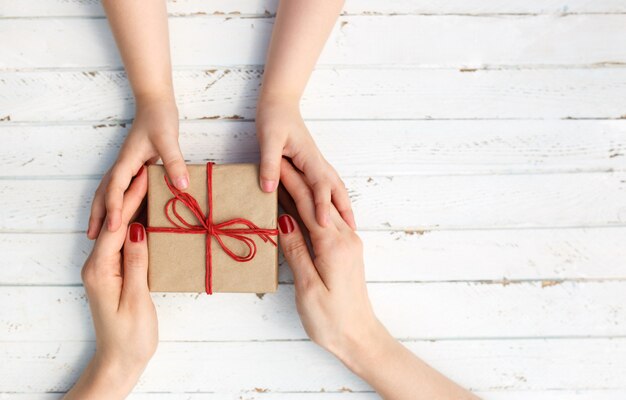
{"points": [[110, 373], [155, 96], [279, 98], [364, 347], [104, 380]]}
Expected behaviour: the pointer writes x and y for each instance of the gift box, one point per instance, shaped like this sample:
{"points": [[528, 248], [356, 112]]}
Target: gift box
{"points": [[217, 236]]}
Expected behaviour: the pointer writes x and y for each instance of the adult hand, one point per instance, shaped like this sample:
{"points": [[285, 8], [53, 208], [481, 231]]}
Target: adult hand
{"points": [[115, 276], [281, 132], [154, 135], [331, 295], [332, 300]]}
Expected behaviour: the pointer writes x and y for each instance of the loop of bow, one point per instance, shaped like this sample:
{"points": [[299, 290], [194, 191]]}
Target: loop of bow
{"points": [[206, 226]]}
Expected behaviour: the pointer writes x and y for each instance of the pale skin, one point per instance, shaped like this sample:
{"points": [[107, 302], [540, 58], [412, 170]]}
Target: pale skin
{"points": [[300, 31], [331, 299]]}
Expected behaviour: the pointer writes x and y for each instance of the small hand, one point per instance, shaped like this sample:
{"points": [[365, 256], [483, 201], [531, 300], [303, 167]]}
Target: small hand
{"points": [[281, 131], [331, 295], [116, 282], [154, 135]]}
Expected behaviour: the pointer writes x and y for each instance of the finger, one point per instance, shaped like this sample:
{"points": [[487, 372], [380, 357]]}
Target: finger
{"points": [[322, 195], [135, 195], [98, 209], [302, 195], [168, 148], [297, 254], [121, 175], [271, 156], [342, 203], [289, 206], [135, 283], [111, 242], [316, 175]]}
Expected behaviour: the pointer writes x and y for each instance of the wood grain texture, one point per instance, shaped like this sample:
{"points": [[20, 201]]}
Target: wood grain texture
{"points": [[235, 8], [409, 310], [546, 255], [354, 148], [332, 94], [388, 203], [452, 41], [346, 394], [578, 364], [489, 185]]}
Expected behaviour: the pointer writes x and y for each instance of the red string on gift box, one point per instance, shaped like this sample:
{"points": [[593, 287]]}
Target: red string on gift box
{"points": [[210, 229]]}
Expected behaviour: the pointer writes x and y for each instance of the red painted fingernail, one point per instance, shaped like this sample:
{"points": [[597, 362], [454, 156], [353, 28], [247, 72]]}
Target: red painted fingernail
{"points": [[286, 224], [136, 232]]}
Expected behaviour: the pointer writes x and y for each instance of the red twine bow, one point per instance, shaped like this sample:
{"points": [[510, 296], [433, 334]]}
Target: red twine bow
{"points": [[208, 228]]}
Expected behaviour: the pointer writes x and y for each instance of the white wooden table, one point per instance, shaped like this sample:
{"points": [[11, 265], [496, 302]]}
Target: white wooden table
{"points": [[483, 143]]}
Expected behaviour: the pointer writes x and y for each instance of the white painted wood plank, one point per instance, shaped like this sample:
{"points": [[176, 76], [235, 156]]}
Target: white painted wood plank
{"points": [[396, 256], [504, 394], [573, 364], [355, 148], [426, 41], [332, 94], [29, 8], [388, 203], [409, 310]]}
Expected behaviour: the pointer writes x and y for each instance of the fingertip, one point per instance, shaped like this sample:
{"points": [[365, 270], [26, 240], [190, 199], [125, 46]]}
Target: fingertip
{"points": [[287, 224], [136, 232], [181, 183], [269, 185]]}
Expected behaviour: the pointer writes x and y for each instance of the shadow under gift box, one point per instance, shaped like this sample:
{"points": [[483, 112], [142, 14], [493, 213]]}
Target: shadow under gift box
{"points": [[178, 261]]}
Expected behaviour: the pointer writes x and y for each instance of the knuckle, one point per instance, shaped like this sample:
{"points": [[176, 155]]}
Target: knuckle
{"points": [[305, 287], [173, 163], [356, 241], [296, 248]]}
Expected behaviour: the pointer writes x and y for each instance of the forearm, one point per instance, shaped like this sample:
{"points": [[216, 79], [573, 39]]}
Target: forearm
{"points": [[396, 373], [141, 33], [300, 31], [101, 381]]}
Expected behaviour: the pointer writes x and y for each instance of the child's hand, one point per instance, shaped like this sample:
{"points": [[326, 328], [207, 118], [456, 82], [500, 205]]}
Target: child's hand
{"points": [[281, 131], [154, 135], [116, 282], [331, 295]]}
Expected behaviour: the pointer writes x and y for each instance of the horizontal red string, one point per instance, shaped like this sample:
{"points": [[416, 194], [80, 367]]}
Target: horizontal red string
{"points": [[208, 228]]}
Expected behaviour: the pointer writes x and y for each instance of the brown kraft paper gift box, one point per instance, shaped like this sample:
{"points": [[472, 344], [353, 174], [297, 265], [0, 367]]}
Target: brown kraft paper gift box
{"points": [[178, 261]]}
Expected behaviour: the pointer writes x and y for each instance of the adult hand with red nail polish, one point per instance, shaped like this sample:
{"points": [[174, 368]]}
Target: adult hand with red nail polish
{"points": [[281, 132], [334, 306], [115, 277], [154, 135]]}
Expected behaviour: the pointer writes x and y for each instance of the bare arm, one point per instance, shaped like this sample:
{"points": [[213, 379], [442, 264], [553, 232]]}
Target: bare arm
{"points": [[300, 31], [141, 32]]}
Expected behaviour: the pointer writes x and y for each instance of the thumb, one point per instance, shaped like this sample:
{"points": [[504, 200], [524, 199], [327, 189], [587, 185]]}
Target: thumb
{"points": [[169, 150], [135, 284], [271, 155], [297, 253]]}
